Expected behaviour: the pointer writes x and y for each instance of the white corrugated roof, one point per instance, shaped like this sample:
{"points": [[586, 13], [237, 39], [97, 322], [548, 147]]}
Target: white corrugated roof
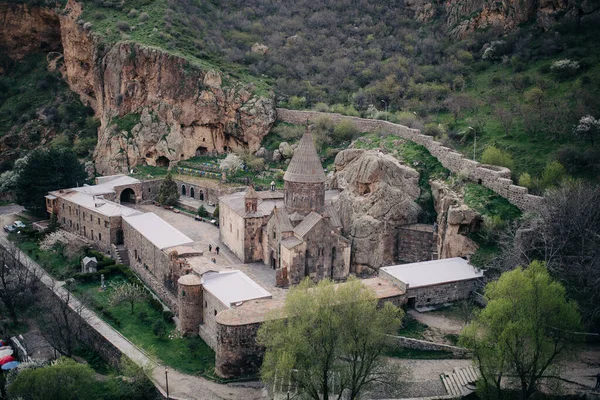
{"points": [[232, 287], [428, 273], [157, 230]]}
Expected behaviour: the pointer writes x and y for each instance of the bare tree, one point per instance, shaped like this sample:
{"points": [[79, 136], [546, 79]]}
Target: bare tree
{"points": [[565, 233], [506, 118], [60, 319], [127, 293], [18, 281]]}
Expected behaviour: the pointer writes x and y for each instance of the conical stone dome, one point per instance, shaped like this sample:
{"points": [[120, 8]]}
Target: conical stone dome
{"points": [[305, 165]]}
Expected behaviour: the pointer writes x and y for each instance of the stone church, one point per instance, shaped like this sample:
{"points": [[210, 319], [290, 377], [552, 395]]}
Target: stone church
{"points": [[296, 232]]}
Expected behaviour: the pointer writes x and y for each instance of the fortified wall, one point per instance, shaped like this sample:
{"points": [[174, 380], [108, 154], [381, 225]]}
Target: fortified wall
{"points": [[493, 177]]}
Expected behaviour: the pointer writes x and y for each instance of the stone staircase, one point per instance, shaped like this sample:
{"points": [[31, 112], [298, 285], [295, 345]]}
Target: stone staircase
{"points": [[461, 381], [122, 255]]}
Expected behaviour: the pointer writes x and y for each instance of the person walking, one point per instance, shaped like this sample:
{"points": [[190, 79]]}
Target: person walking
{"points": [[217, 249], [210, 248]]}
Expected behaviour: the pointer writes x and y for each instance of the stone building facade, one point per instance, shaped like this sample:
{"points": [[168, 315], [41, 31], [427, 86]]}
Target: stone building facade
{"points": [[297, 232], [417, 242]]}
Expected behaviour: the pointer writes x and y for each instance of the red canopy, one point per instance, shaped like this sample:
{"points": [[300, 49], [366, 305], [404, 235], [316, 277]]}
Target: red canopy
{"points": [[6, 359]]}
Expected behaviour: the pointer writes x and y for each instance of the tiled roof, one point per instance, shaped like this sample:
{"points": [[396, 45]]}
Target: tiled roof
{"points": [[291, 242], [282, 220], [334, 218], [307, 224], [251, 193], [237, 204], [305, 165]]}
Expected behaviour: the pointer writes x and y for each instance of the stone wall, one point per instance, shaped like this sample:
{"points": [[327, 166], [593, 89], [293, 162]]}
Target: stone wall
{"points": [[443, 293], [416, 242], [231, 226], [209, 327], [492, 177], [150, 189], [237, 353], [97, 227], [417, 344]]}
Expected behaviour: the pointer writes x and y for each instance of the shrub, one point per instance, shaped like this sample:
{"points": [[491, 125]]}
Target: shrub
{"points": [[565, 68], [344, 130], [525, 180], [297, 103], [159, 328], [168, 315], [433, 129], [123, 26], [494, 156], [553, 174], [133, 13], [144, 17], [202, 212]]}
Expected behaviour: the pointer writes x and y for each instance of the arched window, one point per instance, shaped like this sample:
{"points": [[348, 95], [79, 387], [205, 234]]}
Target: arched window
{"points": [[192, 193], [183, 190]]}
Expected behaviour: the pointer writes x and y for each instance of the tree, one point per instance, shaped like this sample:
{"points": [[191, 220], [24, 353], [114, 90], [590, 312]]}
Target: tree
{"points": [[506, 119], [18, 283], [563, 232], [63, 380], [524, 331], [127, 293], [589, 127], [61, 320], [202, 212], [168, 194], [331, 342], [553, 174], [44, 171], [232, 163]]}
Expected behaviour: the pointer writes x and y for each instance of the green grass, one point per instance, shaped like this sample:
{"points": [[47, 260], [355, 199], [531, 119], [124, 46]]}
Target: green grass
{"points": [[57, 265], [412, 328], [412, 354], [185, 354], [144, 171], [126, 122], [487, 202], [173, 39]]}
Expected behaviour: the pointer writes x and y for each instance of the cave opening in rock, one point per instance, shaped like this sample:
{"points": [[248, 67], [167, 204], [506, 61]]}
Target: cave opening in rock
{"points": [[162, 161], [200, 151]]}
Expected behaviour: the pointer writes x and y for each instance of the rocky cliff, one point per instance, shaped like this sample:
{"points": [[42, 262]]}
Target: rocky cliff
{"points": [[463, 17], [25, 29], [378, 197], [154, 107], [454, 222]]}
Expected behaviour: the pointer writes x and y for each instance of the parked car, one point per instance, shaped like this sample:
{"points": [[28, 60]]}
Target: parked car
{"points": [[19, 225], [10, 228]]}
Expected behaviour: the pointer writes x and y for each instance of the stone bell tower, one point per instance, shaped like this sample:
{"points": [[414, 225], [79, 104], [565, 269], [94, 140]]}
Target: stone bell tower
{"points": [[251, 200], [304, 180]]}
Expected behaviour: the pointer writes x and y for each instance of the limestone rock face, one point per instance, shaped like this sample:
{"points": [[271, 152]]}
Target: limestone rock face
{"points": [[26, 29], [172, 109], [455, 221], [378, 197]]}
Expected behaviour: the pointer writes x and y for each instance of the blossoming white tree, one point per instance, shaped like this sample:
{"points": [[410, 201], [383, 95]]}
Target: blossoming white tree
{"points": [[589, 127]]}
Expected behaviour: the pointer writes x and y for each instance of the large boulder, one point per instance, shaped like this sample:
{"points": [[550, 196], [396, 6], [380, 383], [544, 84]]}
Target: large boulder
{"points": [[378, 197], [455, 222]]}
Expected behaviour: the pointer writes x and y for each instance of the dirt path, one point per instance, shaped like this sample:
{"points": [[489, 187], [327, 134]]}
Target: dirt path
{"points": [[437, 320]]}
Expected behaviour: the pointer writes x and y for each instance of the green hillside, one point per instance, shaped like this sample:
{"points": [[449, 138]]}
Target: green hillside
{"points": [[377, 57]]}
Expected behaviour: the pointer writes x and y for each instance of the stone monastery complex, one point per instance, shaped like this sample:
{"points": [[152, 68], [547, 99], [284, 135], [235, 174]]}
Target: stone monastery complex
{"points": [[279, 237]]}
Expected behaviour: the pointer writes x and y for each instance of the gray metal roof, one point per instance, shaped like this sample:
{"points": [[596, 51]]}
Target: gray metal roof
{"points": [[291, 242], [232, 287], [305, 165], [282, 220], [307, 224], [157, 230], [436, 272]]}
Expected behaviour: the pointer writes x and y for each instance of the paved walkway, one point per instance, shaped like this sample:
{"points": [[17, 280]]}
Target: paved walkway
{"points": [[181, 386]]}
